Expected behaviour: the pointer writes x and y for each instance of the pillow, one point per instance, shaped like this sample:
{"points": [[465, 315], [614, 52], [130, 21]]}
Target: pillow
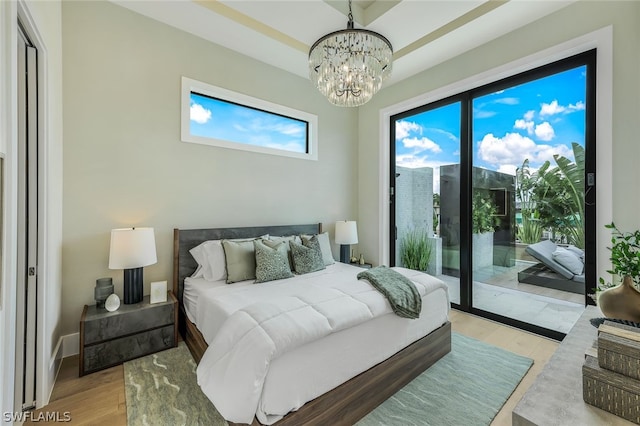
{"points": [[201, 259], [210, 258], [307, 256], [325, 247], [240, 259], [211, 261], [568, 260], [274, 242], [271, 263], [577, 251]]}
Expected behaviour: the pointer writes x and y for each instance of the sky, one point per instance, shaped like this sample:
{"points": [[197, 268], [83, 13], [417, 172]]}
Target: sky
{"points": [[533, 121], [217, 119]]}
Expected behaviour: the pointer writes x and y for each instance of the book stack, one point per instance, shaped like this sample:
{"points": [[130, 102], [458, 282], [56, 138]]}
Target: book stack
{"points": [[611, 371]]}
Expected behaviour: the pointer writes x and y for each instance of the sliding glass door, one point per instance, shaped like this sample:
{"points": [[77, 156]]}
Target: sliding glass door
{"points": [[492, 190], [426, 181]]}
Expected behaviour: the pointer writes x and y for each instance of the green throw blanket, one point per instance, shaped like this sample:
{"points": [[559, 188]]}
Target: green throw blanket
{"points": [[398, 289]]}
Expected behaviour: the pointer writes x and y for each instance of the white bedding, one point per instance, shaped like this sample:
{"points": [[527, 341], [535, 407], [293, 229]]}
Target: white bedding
{"points": [[337, 343]]}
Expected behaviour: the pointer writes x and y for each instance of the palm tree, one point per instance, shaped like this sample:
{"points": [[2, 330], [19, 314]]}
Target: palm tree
{"points": [[560, 195]]}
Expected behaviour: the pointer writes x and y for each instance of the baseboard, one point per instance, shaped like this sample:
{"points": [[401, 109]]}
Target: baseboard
{"points": [[70, 345], [54, 368]]}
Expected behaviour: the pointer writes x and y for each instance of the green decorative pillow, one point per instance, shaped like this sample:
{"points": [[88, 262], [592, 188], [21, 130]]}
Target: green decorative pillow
{"points": [[240, 259], [272, 263], [273, 242], [325, 247], [307, 256]]}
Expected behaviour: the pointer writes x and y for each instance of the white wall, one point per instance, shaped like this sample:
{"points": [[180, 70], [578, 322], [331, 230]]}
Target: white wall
{"points": [[43, 21], [616, 195], [124, 163]]}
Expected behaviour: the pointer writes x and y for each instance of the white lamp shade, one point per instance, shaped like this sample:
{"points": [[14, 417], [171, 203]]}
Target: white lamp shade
{"points": [[132, 248], [346, 232]]}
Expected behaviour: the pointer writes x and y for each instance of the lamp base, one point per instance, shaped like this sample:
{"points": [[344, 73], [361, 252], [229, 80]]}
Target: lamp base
{"points": [[133, 288], [344, 253]]}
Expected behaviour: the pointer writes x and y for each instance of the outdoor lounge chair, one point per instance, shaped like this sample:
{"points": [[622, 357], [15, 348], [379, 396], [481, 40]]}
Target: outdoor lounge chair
{"points": [[550, 272]]}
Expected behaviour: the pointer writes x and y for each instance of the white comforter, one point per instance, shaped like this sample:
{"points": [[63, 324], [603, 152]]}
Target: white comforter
{"points": [[233, 370]]}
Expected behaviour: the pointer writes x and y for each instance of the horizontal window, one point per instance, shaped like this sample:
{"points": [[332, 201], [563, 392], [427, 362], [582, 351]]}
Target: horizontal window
{"points": [[219, 117]]}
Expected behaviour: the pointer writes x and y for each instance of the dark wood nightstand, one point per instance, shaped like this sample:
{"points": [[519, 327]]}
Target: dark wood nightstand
{"points": [[361, 265], [110, 338]]}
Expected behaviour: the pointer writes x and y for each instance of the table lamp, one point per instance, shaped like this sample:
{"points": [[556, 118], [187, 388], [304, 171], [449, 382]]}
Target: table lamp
{"points": [[346, 234], [132, 249]]}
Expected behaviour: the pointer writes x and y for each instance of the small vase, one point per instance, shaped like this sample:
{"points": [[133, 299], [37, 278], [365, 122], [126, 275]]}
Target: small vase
{"points": [[621, 302]]}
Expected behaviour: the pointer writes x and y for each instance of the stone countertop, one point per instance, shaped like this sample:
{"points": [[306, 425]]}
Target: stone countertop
{"points": [[555, 398]]}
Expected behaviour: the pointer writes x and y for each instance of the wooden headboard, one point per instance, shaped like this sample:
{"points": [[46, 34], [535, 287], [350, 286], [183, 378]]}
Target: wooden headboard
{"points": [[184, 265]]}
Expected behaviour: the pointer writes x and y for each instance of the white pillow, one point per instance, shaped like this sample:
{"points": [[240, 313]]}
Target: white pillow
{"points": [[576, 251], [211, 262], [325, 247], [569, 260], [211, 259]]}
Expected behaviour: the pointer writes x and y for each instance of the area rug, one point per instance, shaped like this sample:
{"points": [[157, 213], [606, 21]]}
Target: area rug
{"points": [[466, 387]]}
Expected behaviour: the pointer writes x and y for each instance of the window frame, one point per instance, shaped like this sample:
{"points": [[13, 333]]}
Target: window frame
{"points": [[190, 86]]}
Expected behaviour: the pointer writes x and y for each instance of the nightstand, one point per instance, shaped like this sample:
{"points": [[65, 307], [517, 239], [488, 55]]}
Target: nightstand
{"points": [[363, 265], [110, 338]]}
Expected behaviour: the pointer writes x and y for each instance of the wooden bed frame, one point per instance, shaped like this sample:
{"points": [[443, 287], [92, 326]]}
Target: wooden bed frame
{"points": [[347, 403]]}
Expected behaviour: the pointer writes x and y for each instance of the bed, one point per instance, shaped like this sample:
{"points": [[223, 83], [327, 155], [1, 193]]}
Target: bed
{"points": [[331, 392], [560, 267]]}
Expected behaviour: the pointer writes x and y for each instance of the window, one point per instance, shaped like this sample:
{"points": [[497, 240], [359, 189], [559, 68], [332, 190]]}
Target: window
{"points": [[219, 117], [484, 174]]}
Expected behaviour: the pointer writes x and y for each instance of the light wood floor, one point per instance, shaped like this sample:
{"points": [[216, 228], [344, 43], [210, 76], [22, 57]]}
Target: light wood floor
{"points": [[98, 398]]}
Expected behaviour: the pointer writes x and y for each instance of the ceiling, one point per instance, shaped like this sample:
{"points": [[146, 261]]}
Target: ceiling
{"points": [[423, 33]]}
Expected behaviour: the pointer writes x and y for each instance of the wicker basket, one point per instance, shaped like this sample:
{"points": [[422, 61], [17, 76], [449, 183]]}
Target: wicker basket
{"points": [[619, 349], [610, 391]]}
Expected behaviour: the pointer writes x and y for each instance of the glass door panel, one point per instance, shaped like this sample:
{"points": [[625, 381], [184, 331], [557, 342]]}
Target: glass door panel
{"points": [[426, 181], [528, 198]]}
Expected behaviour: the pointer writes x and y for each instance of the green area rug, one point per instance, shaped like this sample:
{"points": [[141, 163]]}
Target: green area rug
{"points": [[466, 387]]}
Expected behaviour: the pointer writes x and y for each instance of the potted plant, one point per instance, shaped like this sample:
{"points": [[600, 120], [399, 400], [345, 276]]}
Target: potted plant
{"points": [[415, 250], [484, 220], [622, 301]]}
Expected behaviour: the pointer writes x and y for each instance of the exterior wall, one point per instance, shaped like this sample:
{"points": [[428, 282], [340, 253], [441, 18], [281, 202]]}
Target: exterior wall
{"points": [[414, 203]]}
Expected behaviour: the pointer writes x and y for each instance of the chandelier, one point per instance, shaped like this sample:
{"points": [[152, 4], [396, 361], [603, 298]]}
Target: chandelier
{"points": [[348, 66]]}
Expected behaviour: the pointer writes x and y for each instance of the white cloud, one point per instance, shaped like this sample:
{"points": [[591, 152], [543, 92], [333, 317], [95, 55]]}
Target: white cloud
{"points": [[421, 144], [529, 115], [510, 151], [524, 124], [513, 148], [404, 128], [554, 108], [544, 131], [509, 169], [546, 153], [507, 101], [477, 113], [199, 114], [551, 109], [578, 106]]}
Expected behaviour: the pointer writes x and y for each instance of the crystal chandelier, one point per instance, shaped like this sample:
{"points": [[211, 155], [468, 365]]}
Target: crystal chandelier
{"points": [[348, 66]]}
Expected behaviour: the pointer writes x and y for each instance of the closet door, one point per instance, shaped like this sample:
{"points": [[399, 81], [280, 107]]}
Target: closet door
{"points": [[27, 284]]}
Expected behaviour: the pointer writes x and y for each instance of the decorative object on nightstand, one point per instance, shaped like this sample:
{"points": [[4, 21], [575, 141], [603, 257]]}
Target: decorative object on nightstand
{"points": [[132, 249], [110, 338], [112, 303], [158, 292], [104, 288], [361, 261], [346, 234], [353, 258]]}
